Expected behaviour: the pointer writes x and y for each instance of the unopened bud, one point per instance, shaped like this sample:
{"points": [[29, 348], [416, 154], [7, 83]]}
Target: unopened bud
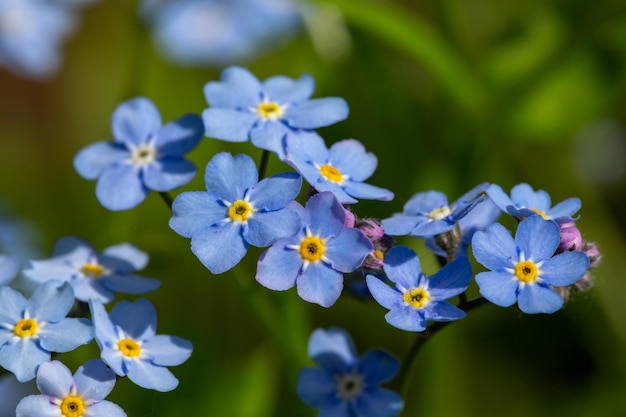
{"points": [[571, 239], [371, 228]]}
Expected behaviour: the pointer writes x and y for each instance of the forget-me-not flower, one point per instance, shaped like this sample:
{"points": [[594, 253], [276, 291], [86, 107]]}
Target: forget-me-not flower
{"points": [[11, 393], [67, 395], [130, 346], [340, 169], [93, 275], [144, 155], [31, 329], [242, 108], [236, 211], [428, 214], [416, 298], [317, 256], [344, 385], [524, 269], [524, 202], [9, 267]]}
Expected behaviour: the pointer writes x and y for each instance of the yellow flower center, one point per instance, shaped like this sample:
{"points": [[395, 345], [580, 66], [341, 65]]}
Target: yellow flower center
{"points": [[72, 406], [526, 271], [417, 297], [331, 173], [541, 213], [312, 248], [439, 213], [378, 254], [270, 110], [240, 211], [129, 347], [92, 270], [25, 328]]}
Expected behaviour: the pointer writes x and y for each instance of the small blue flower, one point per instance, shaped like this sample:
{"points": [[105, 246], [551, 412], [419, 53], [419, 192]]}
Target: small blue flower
{"points": [[9, 267], [31, 329], [416, 298], [236, 211], [317, 256], [344, 385], [130, 346], [94, 276], [72, 396], [143, 156], [428, 214], [11, 393], [340, 169], [242, 108], [524, 202], [524, 269]]}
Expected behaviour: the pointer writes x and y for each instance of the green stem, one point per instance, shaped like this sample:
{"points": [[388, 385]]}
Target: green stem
{"points": [[166, 198], [263, 164]]}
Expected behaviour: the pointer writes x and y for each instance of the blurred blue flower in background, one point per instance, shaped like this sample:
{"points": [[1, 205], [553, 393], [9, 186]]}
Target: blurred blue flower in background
{"points": [[11, 393], [9, 267]]}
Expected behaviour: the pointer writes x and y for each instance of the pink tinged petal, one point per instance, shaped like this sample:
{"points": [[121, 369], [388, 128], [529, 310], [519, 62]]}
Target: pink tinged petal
{"points": [[347, 251], [538, 298], [66, 335], [270, 135], [383, 293], [135, 121], [406, 318], [36, 406], [228, 124], [565, 268], [278, 268], [379, 402], [237, 87], [54, 379], [219, 248], [166, 350], [285, 90], [498, 287], [229, 177], [494, 248], [316, 387], [179, 137], [94, 380], [167, 174], [350, 157], [316, 113], [194, 211], [104, 409], [403, 267], [377, 366], [537, 238], [23, 357], [150, 376], [91, 161], [320, 284], [120, 187]]}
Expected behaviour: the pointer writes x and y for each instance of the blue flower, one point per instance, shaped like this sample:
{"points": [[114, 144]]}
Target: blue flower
{"points": [[31, 35], [416, 298], [31, 329], [11, 393], [129, 345], [317, 256], [94, 276], [524, 269], [72, 396], [524, 202], [242, 108], [428, 214], [217, 32], [9, 267], [344, 385], [236, 211], [340, 169], [143, 156]]}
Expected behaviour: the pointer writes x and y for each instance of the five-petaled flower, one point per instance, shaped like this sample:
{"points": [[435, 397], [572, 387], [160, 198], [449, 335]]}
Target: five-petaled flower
{"points": [[344, 385], [236, 211], [143, 156], [242, 108], [416, 298], [524, 269]]}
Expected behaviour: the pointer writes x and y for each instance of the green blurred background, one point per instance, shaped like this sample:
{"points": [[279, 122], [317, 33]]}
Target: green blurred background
{"points": [[447, 94]]}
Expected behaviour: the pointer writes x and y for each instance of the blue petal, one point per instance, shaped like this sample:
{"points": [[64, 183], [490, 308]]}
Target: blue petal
{"points": [[66, 335], [367, 191], [135, 121], [227, 124], [332, 349], [377, 366], [278, 267], [237, 88], [379, 402], [305, 148], [451, 280], [320, 284], [270, 135], [284, 90], [494, 248], [275, 192], [137, 319], [383, 293], [565, 268], [168, 173], [91, 161], [565, 209], [23, 358], [94, 381], [9, 267], [150, 376], [54, 379], [498, 287], [194, 211], [86, 289], [327, 216], [12, 305], [266, 228], [219, 248], [316, 113], [399, 224], [104, 329], [179, 137], [130, 284], [500, 198], [336, 408], [51, 301], [128, 253], [442, 311], [537, 238], [403, 267], [77, 247], [524, 196], [424, 203], [406, 318], [106, 409], [229, 177], [37, 406], [347, 251], [537, 298], [316, 387], [167, 350], [429, 228], [120, 187], [350, 157]]}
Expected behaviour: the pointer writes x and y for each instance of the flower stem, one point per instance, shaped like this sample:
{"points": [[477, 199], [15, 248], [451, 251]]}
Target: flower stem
{"points": [[263, 164], [166, 198]]}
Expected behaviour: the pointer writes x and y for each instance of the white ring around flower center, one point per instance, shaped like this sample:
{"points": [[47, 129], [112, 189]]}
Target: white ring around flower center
{"points": [[143, 155]]}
